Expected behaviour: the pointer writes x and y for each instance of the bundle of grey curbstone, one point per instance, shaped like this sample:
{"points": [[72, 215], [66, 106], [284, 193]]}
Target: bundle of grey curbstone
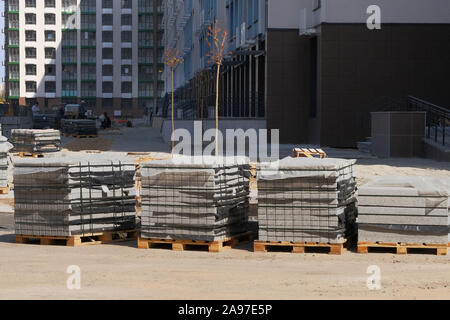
{"points": [[31, 140], [182, 200], [5, 147], [73, 197], [307, 200], [411, 210], [79, 126]]}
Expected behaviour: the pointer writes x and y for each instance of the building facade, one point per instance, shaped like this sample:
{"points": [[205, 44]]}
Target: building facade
{"points": [[107, 53], [311, 68]]}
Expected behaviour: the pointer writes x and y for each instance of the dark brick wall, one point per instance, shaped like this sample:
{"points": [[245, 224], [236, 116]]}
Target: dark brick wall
{"points": [[358, 66], [287, 85]]}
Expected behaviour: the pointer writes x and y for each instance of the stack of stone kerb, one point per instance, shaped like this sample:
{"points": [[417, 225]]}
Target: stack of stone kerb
{"points": [[195, 201], [57, 197], [306, 200]]}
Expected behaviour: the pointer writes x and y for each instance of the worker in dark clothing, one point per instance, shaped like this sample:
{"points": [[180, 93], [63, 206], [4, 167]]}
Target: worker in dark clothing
{"points": [[106, 122]]}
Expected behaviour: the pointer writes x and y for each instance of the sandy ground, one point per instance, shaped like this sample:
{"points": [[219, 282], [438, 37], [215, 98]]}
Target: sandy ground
{"points": [[121, 271]]}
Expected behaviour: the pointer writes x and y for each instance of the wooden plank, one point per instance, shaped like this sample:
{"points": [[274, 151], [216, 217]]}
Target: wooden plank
{"points": [[30, 155], [81, 240], [182, 244], [298, 247], [402, 248]]}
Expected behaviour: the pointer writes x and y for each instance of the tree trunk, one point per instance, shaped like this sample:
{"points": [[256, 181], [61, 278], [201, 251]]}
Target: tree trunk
{"points": [[173, 123], [217, 110]]}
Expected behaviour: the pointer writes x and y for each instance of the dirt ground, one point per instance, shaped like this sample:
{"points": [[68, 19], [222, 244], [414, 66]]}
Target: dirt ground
{"points": [[121, 271]]}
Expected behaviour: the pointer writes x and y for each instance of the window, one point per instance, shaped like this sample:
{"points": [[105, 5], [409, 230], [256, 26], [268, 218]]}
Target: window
{"points": [[127, 53], [88, 89], [50, 86], [50, 35], [30, 18], [127, 4], [88, 72], [107, 70], [107, 53], [145, 72], [127, 36], [145, 38], [145, 89], [107, 36], [69, 55], [145, 55], [30, 86], [30, 3], [50, 18], [50, 3], [50, 53], [69, 38], [30, 53], [88, 55], [127, 87], [107, 87], [127, 19], [88, 38], [88, 21], [30, 69], [50, 69], [126, 70], [30, 35], [13, 71], [69, 72], [107, 19], [107, 4]]}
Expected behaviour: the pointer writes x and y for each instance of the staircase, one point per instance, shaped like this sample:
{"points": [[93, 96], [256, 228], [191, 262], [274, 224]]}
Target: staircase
{"points": [[437, 141]]}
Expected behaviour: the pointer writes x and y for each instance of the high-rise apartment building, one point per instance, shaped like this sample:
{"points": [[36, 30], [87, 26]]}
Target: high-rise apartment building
{"points": [[107, 53]]}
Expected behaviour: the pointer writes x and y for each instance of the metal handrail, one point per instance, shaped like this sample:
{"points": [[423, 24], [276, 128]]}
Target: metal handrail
{"points": [[436, 116]]}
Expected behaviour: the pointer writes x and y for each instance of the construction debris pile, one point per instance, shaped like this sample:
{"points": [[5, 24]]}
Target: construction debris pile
{"points": [[81, 127], [5, 146], [411, 210], [194, 201], [307, 200], [36, 141], [74, 196]]}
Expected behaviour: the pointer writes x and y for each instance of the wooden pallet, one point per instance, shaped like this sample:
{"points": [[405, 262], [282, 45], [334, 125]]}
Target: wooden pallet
{"points": [[80, 240], [30, 155], [402, 248], [4, 190], [85, 136], [308, 153], [298, 247], [181, 245]]}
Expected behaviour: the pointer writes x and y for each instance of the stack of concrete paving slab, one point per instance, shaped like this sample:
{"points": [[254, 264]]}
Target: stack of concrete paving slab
{"points": [[411, 210], [5, 147], [195, 201], [36, 141], [79, 127], [306, 200], [73, 196]]}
